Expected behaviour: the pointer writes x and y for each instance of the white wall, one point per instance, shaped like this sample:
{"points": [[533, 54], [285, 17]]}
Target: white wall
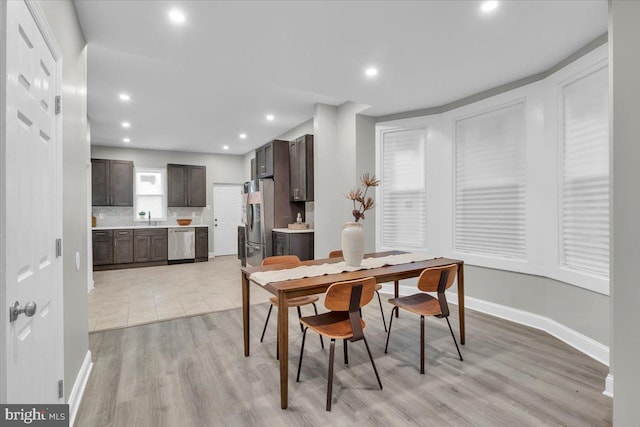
{"points": [[625, 104], [63, 20]]}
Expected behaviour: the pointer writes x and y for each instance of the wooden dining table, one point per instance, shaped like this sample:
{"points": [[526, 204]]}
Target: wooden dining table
{"points": [[287, 289]]}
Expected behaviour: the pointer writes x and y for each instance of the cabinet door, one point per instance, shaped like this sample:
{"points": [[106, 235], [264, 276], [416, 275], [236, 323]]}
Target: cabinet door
{"points": [[202, 243], [122, 246], [280, 244], [102, 247], [121, 183], [197, 183], [141, 247], [301, 244], [159, 249], [177, 185], [294, 170], [261, 163], [99, 182], [268, 160]]}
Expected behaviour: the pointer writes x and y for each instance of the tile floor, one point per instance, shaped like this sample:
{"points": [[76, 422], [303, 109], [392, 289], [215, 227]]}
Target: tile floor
{"points": [[136, 296]]}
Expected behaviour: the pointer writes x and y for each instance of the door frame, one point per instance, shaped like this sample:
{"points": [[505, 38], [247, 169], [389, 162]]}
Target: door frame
{"points": [[47, 33], [213, 204]]}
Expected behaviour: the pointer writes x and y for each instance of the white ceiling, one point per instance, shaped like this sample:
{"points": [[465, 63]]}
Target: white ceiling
{"points": [[196, 87]]}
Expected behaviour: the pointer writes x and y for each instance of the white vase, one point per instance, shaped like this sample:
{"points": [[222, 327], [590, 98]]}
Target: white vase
{"points": [[352, 243]]}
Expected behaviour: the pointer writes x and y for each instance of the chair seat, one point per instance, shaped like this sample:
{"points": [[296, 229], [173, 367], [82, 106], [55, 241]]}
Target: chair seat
{"points": [[296, 302], [378, 286], [334, 324], [422, 304]]}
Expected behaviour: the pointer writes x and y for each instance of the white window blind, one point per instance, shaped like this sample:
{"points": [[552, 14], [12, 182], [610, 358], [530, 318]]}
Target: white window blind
{"points": [[150, 194], [404, 207], [490, 188], [585, 174]]}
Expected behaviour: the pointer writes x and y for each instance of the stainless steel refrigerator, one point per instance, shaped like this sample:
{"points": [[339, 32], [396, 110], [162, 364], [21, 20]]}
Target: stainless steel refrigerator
{"points": [[266, 206]]}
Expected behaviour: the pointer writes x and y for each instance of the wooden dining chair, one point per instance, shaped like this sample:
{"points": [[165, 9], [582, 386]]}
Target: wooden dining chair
{"points": [[436, 279], [343, 321], [288, 261], [338, 254]]}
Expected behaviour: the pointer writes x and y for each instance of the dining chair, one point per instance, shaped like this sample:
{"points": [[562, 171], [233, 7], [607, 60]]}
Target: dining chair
{"points": [[288, 261], [343, 321], [338, 254], [436, 279]]}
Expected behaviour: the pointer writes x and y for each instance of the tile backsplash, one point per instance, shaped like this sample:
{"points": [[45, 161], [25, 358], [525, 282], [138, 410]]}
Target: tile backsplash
{"points": [[111, 216]]}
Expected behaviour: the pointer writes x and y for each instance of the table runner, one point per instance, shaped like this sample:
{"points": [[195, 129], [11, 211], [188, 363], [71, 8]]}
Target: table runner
{"points": [[264, 277]]}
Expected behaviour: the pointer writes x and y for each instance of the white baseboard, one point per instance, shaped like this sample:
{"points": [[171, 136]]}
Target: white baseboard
{"points": [[90, 287], [608, 386], [212, 255], [75, 397]]}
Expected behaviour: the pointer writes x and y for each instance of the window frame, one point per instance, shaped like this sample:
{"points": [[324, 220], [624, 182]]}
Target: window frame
{"points": [[163, 174]]}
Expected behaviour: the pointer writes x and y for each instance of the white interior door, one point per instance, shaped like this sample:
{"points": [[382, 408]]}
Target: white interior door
{"points": [[31, 220], [227, 216]]}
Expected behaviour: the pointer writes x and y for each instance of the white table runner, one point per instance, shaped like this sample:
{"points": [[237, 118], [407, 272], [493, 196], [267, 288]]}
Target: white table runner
{"points": [[264, 277]]}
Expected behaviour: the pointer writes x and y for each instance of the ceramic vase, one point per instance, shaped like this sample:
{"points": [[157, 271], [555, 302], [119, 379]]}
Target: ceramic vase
{"points": [[353, 243]]}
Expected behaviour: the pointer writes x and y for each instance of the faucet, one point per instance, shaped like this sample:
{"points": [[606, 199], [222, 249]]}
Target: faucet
{"points": [[149, 215]]}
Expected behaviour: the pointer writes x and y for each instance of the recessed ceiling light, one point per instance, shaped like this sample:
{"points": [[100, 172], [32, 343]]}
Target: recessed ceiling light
{"points": [[270, 117], [124, 97], [225, 147], [488, 6], [371, 72], [176, 16], [126, 139], [126, 124], [243, 136]]}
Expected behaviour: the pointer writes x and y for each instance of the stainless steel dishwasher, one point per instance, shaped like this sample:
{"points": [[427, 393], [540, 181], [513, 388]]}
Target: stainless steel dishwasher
{"points": [[182, 243]]}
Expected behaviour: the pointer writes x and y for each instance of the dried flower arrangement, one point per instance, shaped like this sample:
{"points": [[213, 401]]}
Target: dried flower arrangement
{"points": [[362, 203]]}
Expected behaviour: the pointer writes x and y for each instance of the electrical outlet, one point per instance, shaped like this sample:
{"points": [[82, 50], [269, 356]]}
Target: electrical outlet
{"points": [[100, 216], [174, 214], [193, 214]]}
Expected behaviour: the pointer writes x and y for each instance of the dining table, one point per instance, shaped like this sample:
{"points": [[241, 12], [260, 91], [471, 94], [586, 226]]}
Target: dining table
{"points": [[286, 289]]}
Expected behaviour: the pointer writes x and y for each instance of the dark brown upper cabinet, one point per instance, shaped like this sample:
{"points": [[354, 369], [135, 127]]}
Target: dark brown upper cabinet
{"points": [[111, 182], [187, 185], [270, 158], [301, 169]]}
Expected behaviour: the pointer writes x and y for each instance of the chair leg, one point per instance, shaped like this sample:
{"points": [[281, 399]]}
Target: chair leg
{"points": [[422, 345], [346, 353], [372, 363], [304, 335], [332, 349], [278, 343], [389, 331], [300, 317], [454, 339], [381, 311], [266, 322], [316, 310]]}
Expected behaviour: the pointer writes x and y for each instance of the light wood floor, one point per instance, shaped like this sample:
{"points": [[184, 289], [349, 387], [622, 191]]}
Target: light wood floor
{"points": [[192, 372]]}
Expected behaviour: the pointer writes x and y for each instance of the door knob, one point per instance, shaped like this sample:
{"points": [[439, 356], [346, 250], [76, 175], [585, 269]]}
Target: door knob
{"points": [[16, 310]]}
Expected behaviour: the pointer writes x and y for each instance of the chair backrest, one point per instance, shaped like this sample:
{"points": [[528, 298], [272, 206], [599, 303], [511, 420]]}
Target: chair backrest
{"points": [[338, 296], [430, 278], [335, 254], [288, 260]]}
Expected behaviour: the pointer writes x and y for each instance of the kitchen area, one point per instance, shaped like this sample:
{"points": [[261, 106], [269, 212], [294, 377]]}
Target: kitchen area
{"points": [[150, 212]]}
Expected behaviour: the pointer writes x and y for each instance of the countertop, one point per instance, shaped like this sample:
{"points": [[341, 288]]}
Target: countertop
{"points": [[287, 230], [129, 227]]}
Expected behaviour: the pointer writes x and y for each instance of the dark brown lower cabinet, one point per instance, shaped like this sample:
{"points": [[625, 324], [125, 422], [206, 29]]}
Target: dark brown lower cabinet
{"points": [[202, 244], [150, 245], [300, 244], [122, 246], [102, 247]]}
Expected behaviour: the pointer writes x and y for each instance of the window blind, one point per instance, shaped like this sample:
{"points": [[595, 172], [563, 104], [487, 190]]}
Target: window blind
{"points": [[585, 174], [403, 187], [490, 188]]}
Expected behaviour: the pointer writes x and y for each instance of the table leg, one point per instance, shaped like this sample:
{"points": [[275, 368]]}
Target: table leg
{"points": [[283, 337], [461, 301], [245, 312], [396, 293]]}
